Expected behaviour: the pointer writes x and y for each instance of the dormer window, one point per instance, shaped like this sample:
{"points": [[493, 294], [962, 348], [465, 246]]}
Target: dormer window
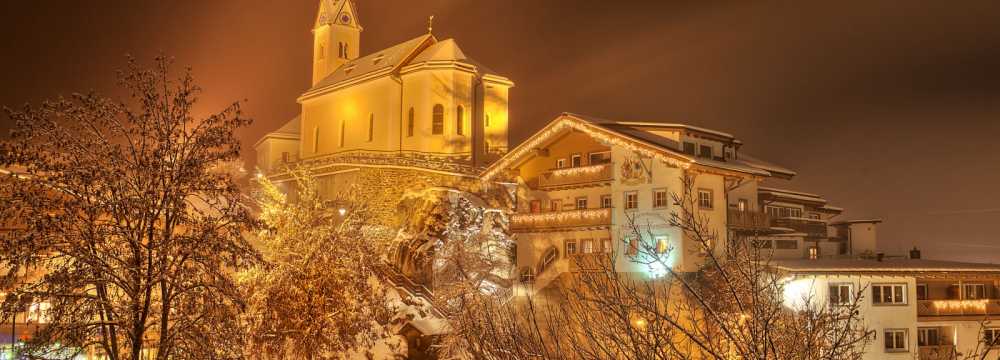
{"points": [[378, 59], [348, 69], [689, 148], [705, 151], [321, 52]]}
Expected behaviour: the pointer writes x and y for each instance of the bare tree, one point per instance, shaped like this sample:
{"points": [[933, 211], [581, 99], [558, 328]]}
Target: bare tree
{"points": [[317, 295], [732, 306], [130, 218]]}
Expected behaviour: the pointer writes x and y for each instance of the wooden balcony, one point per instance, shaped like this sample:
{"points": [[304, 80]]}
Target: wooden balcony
{"points": [[958, 308], [813, 228], [748, 220], [559, 220], [936, 352], [576, 176]]}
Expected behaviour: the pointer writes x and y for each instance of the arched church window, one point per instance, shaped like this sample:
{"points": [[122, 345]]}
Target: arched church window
{"points": [[321, 54], [343, 129], [437, 120], [345, 50], [409, 123], [340, 49], [371, 126], [459, 120], [487, 120]]}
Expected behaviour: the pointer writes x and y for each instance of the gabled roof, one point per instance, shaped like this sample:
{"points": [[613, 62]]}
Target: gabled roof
{"points": [[290, 130], [775, 170], [791, 195], [616, 133]]}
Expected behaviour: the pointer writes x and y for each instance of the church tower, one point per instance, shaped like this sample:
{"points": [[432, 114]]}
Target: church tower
{"points": [[336, 37]]}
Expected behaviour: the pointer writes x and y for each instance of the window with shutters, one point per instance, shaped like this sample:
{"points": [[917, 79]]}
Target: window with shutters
{"points": [[460, 120]]}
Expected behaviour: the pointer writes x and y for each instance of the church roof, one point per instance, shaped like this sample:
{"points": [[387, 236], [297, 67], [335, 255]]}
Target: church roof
{"points": [[380, 61], [425, 49]]}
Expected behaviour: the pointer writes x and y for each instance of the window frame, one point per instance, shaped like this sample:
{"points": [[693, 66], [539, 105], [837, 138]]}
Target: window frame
{"points": [[743, 205], [580, 203], [460, 120], [561, 163], [602, 159], [965, 293], [711, 199], [693, 148], [371, 127], [995, 343], [924, 337], [607, 246], [656, 200], [587, 247], [701, 151], [566, 246], [527, 275], [897, 331], [923, 292], [662, 243], [839, 286], [437, 120], [555, 205], [549, 257], [878, 300], [607, 201], [575, 160], [410, 122], [634, 195]]}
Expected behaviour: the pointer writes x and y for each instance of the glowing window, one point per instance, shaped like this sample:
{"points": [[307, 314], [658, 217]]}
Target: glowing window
{"points": [[570, 247], [662, 244], [437, 120], [581, 203]]}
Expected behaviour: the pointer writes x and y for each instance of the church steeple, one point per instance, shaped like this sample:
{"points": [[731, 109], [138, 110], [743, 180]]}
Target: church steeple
{"points": [[336, 37]]}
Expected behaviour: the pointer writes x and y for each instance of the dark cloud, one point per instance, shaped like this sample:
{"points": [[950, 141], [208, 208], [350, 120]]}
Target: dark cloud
{"points": [[889, 108]]}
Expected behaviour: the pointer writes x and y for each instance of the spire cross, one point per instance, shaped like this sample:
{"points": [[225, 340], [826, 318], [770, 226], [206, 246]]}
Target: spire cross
{"points": [[430, 24]]}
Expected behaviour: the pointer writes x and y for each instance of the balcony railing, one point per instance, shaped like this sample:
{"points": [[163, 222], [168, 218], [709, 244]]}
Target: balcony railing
{"points": [[747, 220], [575, 176], [538, 222], [981, 307], [811, 227], [936, 352]]}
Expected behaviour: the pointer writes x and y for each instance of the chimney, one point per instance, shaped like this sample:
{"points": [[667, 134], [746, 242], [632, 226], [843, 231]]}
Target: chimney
{"points": [[915, 253]]}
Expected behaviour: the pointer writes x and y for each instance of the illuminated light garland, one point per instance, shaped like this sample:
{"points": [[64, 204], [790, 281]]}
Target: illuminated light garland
{"points": [[954, 305], [605, 136], [561, 217], [581, 170]]}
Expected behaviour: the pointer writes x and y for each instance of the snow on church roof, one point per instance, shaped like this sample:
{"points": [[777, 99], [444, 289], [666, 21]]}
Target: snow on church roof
{"points": [[380, 61], [425, 49]]}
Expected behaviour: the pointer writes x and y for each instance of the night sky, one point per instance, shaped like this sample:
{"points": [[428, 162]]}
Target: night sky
{"points": [[889, 109]]}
